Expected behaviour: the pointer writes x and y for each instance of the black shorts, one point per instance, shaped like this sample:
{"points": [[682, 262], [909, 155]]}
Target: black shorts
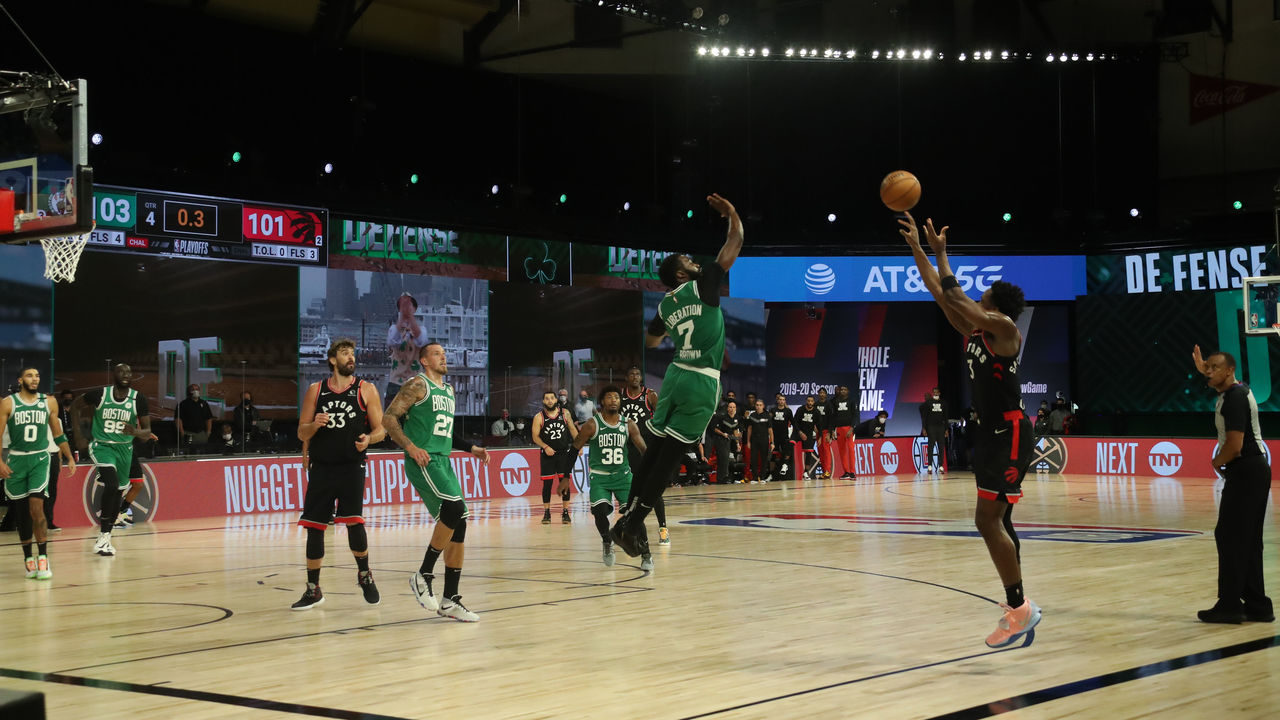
{"points": [[806, 445], [1001, 456], [326, 483], [559, 464]]}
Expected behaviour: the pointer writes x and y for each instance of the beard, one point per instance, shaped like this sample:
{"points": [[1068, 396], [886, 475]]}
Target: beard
{"points": [[550, 406], [347, 370], [693, 273]]}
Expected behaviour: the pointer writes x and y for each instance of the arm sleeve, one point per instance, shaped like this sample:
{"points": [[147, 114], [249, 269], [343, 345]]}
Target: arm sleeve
{"points": [[460, 443], [656, 326], [709, 283], [1235, 412]]}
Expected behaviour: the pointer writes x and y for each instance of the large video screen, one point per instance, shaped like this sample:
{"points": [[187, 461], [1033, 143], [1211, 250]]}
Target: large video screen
{"points": [[26, 315], [390, 316], [885, 352], [226, 326]]}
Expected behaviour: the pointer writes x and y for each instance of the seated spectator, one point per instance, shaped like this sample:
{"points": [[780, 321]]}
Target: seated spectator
{"points": [[225, 441], [503, 427], [872, 428]]}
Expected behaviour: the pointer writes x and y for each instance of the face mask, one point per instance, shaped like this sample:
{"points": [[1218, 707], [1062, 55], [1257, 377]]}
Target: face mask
{"points": [[519, 426], [226, 436], [195, 395]]}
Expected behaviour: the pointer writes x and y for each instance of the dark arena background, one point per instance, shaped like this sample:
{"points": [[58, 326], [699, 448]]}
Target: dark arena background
{"points": [[505, 178]]}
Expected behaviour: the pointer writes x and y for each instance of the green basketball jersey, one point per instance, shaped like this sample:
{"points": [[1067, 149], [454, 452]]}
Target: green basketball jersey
{"points": [[429, 423], [607, 452], [696, 327], [28, 425], [111, 416]]}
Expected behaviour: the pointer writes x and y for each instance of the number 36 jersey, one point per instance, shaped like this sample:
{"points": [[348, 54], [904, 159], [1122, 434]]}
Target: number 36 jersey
{"points": [[111, 415], [429, 423]]}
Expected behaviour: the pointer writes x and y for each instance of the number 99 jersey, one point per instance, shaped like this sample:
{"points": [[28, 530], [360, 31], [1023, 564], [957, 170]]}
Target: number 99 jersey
{"points": [[111, 415]]}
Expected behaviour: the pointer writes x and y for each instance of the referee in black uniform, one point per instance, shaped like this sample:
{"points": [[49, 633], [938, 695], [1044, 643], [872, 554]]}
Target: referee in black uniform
{"points": [[1247, 483]]}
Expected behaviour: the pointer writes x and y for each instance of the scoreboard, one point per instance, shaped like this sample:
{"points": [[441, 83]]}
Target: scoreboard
{"points": [[174, 224]]}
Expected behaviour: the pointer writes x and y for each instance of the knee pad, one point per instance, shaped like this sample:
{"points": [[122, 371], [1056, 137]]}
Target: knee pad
{"points": [[546, 489], [357, 538], [315, 544], [460, 531], [452, 513], [565, 495]]}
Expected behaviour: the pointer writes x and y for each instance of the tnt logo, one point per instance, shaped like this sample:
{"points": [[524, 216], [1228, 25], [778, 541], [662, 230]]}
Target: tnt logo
{"points": [[889, 458], [1165, 458], [515, 474]]}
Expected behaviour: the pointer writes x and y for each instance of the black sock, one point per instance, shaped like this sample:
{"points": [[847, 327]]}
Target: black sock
{"points": [[429, 561], [451, 578], [1013, 595], [42, 547], [26, 550], [313, 577], [660, 511], [362, 563]]}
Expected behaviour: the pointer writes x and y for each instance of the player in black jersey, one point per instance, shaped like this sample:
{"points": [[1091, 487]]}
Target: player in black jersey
{"points": [[341, 416], [1003, 439], [825, 457], [806, 424], [759, 446], [782, 419], [638, 403], [554, 432], [933, 426]]}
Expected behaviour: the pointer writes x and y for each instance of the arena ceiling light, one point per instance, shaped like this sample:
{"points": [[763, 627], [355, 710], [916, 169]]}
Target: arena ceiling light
{"points": [[920, 54]]}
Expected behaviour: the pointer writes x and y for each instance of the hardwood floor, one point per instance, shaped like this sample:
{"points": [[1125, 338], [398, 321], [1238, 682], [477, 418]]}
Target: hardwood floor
{"points": [[819, 599]]}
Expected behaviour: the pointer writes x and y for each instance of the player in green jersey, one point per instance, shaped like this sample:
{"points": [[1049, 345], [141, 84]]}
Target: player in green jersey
{"points": [[420, 420], [608, 433], [120, 414], [30, 416], [690, 314]]}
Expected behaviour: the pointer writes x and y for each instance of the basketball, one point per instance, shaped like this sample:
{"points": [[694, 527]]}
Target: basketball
{"points": [[900, 190]]}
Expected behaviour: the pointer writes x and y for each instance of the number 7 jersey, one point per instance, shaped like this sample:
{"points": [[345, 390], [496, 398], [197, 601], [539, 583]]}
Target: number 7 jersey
{"points": [[429, 423], [696, 327]]}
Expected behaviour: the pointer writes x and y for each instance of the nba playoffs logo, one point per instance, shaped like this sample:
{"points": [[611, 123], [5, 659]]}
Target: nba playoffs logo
{"points": [[918, 454], [888, 458], [515, 474], [1165, 458], [1050, 455], [820, 279]]}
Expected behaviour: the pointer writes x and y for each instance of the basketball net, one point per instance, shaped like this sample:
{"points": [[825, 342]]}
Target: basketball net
{"points": [[62, 255]]}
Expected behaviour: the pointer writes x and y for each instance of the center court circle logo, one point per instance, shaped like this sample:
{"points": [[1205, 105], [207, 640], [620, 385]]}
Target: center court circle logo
{"points": [[820, 279], [1165, 458], [515, 474], [889, 458]]}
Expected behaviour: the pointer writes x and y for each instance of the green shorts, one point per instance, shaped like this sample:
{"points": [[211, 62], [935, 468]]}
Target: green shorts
{"points": [[616, 484], [435, 483], [685, 405], [116, 459], [30, 476]]}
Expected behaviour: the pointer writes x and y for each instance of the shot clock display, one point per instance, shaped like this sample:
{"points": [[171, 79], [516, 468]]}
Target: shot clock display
{"points": [[163, 223]]}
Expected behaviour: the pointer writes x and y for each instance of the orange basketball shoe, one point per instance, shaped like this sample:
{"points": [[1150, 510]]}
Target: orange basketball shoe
{"points": [[1015, 623]]}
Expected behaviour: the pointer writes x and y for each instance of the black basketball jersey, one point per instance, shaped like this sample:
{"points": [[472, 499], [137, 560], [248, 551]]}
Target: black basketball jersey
{"points": [[555, 431], [335, 443], [996, 392], [636, 408], [807, 421]]}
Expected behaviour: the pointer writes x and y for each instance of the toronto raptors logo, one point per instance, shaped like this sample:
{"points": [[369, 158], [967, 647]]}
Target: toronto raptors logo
{"points": [[144, 506], [1049, 456]]}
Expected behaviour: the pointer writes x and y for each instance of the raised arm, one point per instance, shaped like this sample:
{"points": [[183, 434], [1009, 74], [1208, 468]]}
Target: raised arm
{"points": [[654, 333], [928, 274], [733, 239], [965, 310]]}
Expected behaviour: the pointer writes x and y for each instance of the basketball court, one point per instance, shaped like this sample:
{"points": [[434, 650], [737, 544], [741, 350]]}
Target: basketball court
{"points": [[803, 599]]}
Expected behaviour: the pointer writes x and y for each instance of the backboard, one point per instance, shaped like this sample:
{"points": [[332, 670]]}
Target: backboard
{"points": [[43, 158], [1262, 305]]}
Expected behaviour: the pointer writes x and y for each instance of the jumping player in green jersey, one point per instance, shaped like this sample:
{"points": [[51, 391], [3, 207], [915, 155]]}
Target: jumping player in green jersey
{"points": [[690, 314], [420, 420], [120, 414], [30, 416], [608, 433]]}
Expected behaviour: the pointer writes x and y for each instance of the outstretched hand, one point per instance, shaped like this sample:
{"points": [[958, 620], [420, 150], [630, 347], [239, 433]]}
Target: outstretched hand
{"points": [[1198, 359], [937, 239], [909, 231], [720, 205]]}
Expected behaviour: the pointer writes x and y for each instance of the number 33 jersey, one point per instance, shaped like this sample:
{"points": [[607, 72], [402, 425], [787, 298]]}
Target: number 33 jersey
{"points": [[348, 419]]}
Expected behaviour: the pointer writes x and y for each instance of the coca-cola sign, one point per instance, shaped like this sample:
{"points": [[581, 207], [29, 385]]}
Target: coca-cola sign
{"points": [[1212, 96]]}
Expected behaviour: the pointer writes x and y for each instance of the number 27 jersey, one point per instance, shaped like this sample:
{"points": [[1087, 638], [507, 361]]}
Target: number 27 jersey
{"points": [[430, 421]]}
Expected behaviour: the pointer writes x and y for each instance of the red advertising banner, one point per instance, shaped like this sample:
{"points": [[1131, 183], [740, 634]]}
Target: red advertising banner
{"points": [[226, 486], [1211, 96]]}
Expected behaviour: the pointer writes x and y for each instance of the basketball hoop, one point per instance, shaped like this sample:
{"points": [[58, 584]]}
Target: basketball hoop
{"points": [[62, 255]]}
